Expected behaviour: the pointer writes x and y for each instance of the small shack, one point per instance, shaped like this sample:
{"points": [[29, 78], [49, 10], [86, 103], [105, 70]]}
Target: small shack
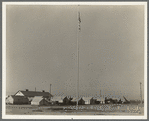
{"points": [[111, 100], [39, 100], [66, 101], [94, 100], [80, 101], [17, 100], [74, 101], [57, 100], [87, 100], [101, 99]]}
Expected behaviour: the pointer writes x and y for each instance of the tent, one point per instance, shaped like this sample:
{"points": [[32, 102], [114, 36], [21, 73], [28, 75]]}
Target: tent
{"points": [[57, 99], [39, 100]]}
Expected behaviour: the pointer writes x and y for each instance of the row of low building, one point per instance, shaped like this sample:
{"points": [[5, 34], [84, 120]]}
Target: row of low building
{"points": [[40, 100], [85, 100], [45, 98], [73, 101], [26, 97]]}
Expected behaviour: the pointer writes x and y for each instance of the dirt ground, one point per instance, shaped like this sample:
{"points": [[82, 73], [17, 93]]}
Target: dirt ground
{"points": [[106, 109]]}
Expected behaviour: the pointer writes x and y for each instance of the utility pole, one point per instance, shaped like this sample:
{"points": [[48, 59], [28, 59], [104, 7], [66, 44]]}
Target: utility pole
{"points": [[100, 93], [35, 89], [141, 92], [50, 88], [66, 87]]}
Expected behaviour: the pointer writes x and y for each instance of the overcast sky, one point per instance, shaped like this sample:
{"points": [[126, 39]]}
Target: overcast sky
{"points": [[42, 49]]}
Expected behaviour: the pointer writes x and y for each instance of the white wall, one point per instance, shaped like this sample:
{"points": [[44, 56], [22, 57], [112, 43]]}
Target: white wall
{"points": [[19, 94], [34, 103], [9, 100], [87, 101]]}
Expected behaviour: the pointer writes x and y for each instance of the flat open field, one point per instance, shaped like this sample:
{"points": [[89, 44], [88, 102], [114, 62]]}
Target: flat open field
{"points": [[105, 109]]}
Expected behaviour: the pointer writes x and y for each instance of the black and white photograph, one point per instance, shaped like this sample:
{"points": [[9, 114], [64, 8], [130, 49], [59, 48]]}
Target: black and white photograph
{"points": [[74, 60]]}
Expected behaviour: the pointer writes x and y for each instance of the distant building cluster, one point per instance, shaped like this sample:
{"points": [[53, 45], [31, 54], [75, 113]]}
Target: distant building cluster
{"points": [[45, 98], [29, 97]]}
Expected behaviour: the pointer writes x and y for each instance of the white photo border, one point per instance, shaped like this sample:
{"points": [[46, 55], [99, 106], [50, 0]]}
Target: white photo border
{"points": [[4, 116]]}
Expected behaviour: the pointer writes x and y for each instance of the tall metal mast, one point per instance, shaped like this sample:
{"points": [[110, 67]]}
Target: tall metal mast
{"points": [[78, 33]]}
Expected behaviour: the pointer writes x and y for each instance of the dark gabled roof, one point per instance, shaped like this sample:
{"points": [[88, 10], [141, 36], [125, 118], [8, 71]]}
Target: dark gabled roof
{"points": [[18, 97], [35, 93]]}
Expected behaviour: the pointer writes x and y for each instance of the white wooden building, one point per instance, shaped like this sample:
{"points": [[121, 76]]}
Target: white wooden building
{"points": [[28, 93], [87, 100], [17, 100], [39, 100], [102, 100]]}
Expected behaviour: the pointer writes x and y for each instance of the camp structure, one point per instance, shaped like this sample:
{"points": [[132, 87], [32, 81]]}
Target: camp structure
{"points": [[66, 101], [102, 100], [87, 99], [57, 100], [17, 100], [30, 94], [74, 101], [30, 99], [80, 101], [111, 100], [61, 100], [39, 100], [95, 100], [126, 101]]}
